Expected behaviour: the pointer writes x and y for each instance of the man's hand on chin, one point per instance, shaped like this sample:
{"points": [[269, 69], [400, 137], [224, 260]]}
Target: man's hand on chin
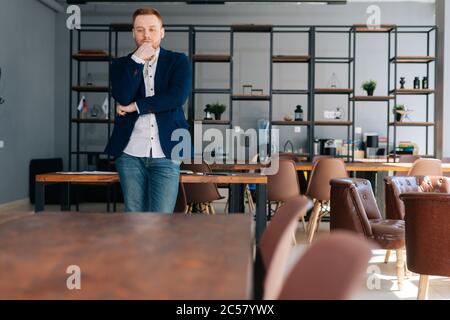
{"points": [[123, 110]]}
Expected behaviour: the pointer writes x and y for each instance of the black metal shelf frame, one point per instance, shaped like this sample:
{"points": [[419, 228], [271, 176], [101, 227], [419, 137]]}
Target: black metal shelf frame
{"points": [[101, 28], [192, 31], [393, 62]]}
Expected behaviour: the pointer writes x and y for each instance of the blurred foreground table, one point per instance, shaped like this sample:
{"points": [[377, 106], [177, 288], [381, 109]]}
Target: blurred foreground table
{"points": [[127, 256]]}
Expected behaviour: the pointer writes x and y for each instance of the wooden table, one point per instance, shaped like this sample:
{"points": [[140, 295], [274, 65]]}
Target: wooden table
{"points": [[234, 179], [69, 179], [127, 256], [371, 167], [9, 216], [307, 166]]}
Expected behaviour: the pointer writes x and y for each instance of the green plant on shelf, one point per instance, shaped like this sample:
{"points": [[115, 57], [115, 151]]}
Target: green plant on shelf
{"points": [[399, 111], [369, 86], [217, 109]]}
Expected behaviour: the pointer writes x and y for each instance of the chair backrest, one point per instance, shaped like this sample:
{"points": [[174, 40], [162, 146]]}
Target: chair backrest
{"points": [[322, 173], [406, 158], [426, 167], [446, 160], [427, 225], [353, 204], [200, 192], [284, 184], [276, 243], [311, 279], [303, 184], [317, 158], [181, 204], [395, 186]]}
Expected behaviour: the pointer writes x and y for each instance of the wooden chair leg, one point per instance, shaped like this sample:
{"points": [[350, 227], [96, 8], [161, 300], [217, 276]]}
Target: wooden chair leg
{"points": [[424, 284], [400, 267], [386, 257], [211, 209], [277, 206], [226, 205], [294, 239], [304, 223], [313, 221], [408, 273], [206, 207], [251, 205]]}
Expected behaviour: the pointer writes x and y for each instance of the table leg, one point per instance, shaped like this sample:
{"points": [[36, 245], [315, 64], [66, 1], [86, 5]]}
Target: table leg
{"points": [[236, 198], [114, 186], [261, 211], [65, 205], [108, 197], [39, 197]]}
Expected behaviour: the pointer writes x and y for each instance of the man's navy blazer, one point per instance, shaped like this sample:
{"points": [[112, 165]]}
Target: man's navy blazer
{"points": [[173, 81]]}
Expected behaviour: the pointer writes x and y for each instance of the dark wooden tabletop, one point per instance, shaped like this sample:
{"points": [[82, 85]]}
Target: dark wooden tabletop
{"points": [[8, 216], [127, 256]]}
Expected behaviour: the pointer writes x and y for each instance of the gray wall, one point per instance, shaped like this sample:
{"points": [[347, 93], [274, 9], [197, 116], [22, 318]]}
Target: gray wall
{"points": [[27, 55], [252, 60]]}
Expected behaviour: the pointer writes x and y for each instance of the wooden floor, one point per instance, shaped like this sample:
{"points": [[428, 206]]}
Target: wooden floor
{"points": [[380, 284]]}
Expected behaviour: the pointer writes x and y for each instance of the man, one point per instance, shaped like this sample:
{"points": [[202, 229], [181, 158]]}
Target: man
{"points": [[150, 87]]}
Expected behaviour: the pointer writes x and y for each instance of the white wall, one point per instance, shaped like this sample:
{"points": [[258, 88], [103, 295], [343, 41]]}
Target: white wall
{"points": [[27, 52]]}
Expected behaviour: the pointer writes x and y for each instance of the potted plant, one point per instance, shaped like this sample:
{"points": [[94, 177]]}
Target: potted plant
{"points": [[369, 86], [399, 112], [217, 109]]}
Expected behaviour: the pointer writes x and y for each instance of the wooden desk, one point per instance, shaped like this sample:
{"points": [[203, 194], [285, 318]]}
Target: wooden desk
{"points": [[234, 180], [372, 167], [127, 256], [354, 166], [69, 179], [9, 216]]}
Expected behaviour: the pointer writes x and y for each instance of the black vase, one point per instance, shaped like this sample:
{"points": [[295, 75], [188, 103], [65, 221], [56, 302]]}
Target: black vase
{"points": [[398, 117], [217, 116], [370, 93]]}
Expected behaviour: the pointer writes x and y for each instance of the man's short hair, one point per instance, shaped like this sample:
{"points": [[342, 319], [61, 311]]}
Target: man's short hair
{"points": [[147, 11]]}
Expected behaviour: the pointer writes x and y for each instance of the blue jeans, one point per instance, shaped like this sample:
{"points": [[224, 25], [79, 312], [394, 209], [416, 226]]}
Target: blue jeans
{"points": [[148, 184]]}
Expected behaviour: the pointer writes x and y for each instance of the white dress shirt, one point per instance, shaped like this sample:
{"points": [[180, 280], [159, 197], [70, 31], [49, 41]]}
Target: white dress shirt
{"points": [[144, 140]]}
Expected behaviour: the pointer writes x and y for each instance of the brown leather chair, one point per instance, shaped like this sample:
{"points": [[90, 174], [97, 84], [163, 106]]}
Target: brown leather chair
{"points": [[427, 236], [200, 195], [275, 246], [406, 158], [395, 186], [331, 269], [354, 208], [426, 167], [324, 170]]}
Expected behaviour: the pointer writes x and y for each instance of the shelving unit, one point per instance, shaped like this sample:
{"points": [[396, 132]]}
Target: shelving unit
{"points": [[77, 89], [310, 58], [428, 60]]}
